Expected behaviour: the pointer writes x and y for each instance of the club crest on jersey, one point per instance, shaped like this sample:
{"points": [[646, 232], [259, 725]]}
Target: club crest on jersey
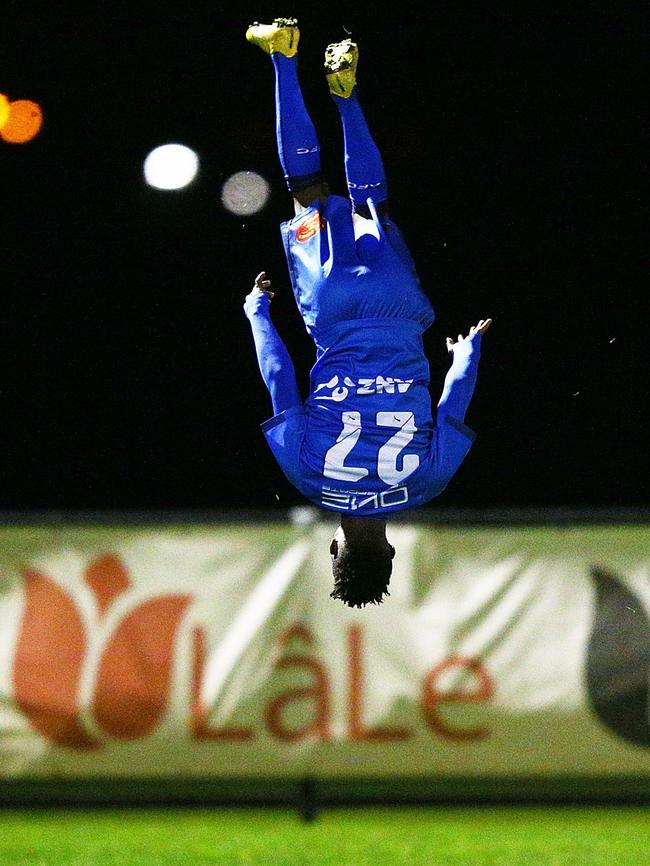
{"points": [[309, 228]]}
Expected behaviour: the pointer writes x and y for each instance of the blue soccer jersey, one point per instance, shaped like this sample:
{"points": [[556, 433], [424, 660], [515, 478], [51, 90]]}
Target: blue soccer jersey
{"points": [[365, 442]]}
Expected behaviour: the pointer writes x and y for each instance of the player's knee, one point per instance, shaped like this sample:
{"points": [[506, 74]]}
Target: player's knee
{"points": [[302, 198], [363, 210]]}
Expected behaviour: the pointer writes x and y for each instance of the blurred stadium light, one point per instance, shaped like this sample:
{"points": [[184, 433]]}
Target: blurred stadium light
{"points": [[245, 193], [171, 166], [20, 120]]}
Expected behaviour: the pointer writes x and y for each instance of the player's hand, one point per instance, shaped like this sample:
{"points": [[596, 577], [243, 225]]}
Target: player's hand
{"points": [[261, 288], [480, 328], [262, 285]]}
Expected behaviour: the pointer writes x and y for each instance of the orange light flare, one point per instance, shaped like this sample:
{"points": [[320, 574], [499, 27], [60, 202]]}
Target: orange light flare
{"points": [[4, 110], [23, 121]]}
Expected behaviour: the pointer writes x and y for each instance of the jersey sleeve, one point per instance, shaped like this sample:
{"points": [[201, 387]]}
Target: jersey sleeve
{"points": [[273, 358], [450, 445], [452, 438], [285, 433]]}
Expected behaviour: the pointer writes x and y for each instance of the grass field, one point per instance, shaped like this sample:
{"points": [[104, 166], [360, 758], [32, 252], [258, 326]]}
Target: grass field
{"points": [[377, 837]]}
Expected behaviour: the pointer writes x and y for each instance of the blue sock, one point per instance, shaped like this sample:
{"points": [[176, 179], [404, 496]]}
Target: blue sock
{"points": [[296, 136], [364, 168]]}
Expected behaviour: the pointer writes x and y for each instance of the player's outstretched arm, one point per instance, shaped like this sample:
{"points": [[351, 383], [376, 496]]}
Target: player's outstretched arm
{"points": [[461, 378], [273, 358]]}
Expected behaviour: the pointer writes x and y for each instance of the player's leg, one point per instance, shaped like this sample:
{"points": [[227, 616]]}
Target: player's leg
{"points": [[297, 141], [367, 180], [364, 167]]}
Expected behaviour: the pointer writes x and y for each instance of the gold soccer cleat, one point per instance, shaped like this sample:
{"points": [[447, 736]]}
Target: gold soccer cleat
{"points": [[282, 36], [341, 67]]}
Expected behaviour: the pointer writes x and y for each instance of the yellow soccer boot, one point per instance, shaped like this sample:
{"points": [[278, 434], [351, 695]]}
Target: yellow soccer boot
{"points": [[282, 36], [341, 67]]}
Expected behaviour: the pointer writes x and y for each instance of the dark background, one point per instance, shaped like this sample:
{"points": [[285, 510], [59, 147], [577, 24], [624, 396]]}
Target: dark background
{"points": [[512, 142]]}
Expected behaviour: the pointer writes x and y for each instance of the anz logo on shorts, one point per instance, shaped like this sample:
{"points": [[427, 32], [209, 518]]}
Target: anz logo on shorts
{"points": [[340, 388]]}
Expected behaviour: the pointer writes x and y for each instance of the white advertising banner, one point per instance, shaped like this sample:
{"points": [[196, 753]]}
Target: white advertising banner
{"points": [[216, 651]]}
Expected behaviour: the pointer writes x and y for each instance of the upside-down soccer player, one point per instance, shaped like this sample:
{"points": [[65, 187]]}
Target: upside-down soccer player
{"points": [[364, 443]]}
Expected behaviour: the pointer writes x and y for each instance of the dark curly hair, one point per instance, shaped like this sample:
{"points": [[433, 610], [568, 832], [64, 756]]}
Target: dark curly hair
{"points": [[362, 574]]}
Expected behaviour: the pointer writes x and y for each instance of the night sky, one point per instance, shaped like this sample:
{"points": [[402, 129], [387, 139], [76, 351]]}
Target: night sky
{"points": [[513, 148]]}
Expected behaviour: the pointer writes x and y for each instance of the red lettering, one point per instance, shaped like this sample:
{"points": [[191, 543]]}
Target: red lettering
{"points": [[433, 698], [200, 726], [318, 692], [357, 730]]}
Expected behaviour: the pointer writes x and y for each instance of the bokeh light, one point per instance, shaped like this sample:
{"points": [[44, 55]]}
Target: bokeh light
{"points": [[171, 166], [23, 122], [244, 193], [4, 110]]}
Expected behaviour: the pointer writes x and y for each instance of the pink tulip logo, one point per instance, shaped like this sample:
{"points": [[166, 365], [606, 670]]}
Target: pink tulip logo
{"points": [[133, 679]]}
